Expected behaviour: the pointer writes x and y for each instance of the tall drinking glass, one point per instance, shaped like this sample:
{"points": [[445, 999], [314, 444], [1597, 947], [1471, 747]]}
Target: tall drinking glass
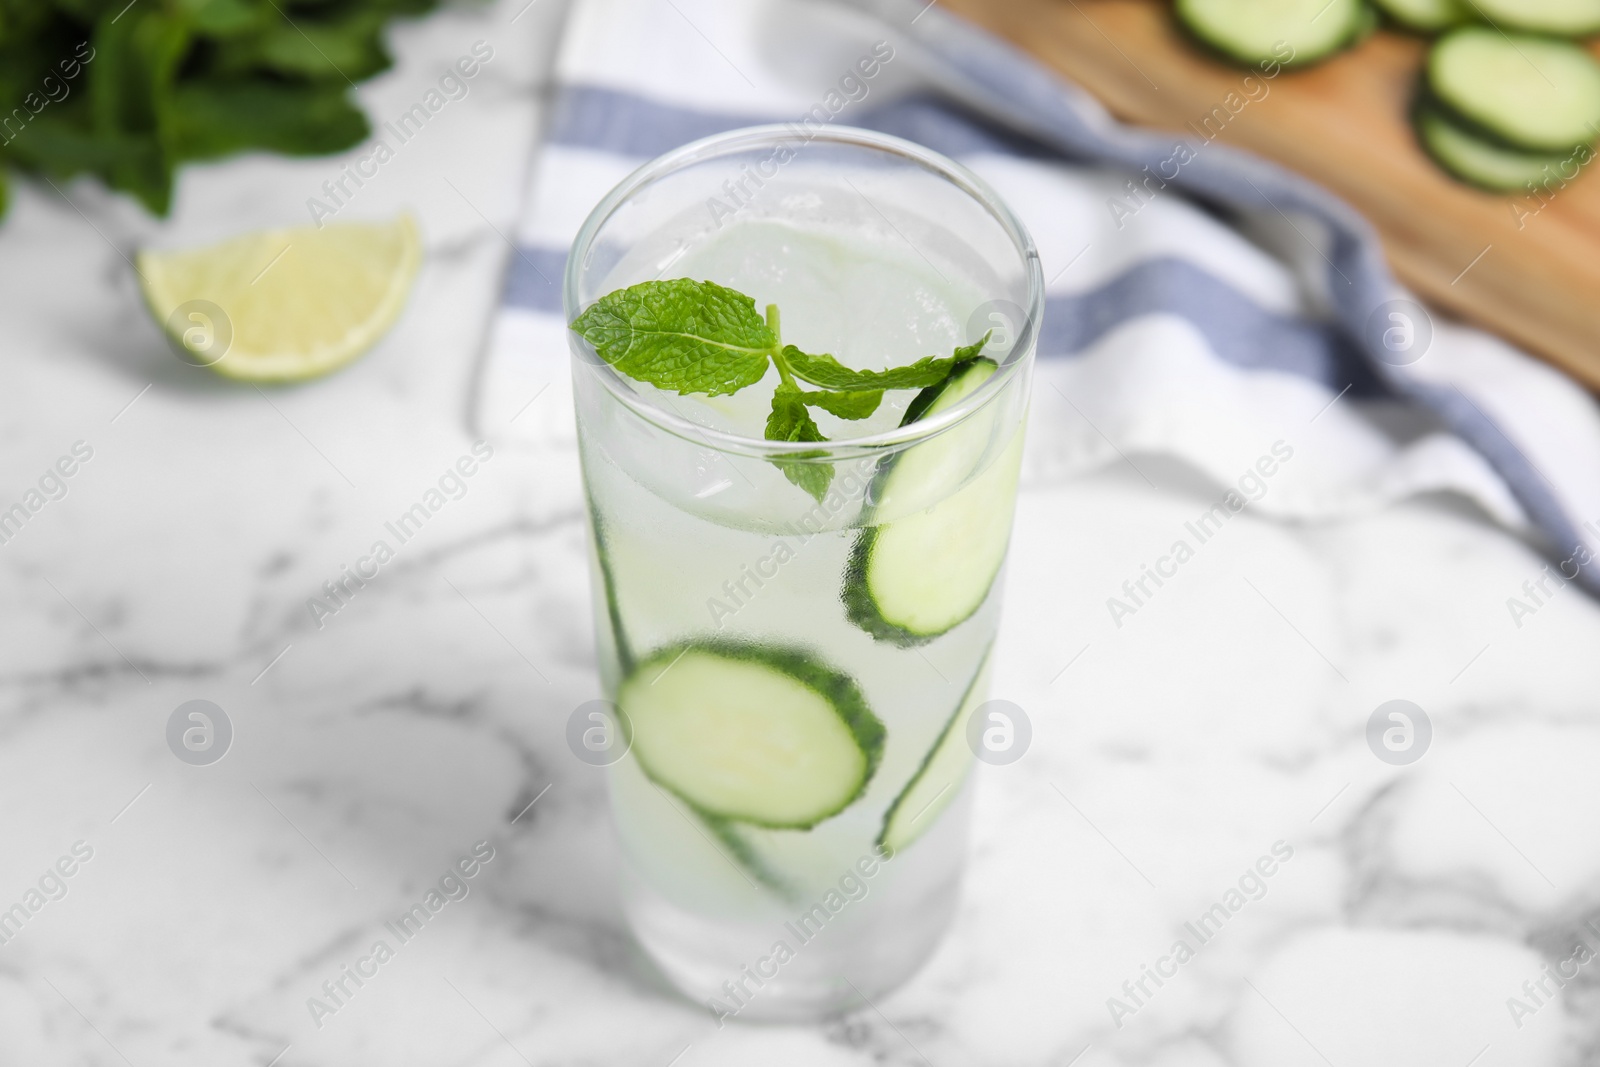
{"points": [[798, 636]]}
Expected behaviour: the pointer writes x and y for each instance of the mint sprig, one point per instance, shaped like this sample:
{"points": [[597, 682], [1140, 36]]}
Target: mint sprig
{"points": [[701, 337]]}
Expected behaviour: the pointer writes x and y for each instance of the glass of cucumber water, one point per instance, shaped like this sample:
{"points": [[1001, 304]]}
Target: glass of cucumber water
{"points": [[801, 372]]}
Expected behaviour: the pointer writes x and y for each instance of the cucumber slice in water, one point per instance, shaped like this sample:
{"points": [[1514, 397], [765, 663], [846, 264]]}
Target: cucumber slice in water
{"points": [[1478, 161], [608, 583], [939, 777], [767, 736], [732, 841], [1427, 16], [1253, 32], [913, 578], [1566, 18], [1533, 93], [690, 857]]}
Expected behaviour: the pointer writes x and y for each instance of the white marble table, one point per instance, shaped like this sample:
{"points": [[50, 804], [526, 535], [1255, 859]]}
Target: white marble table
{"points": [[1224, 720]]}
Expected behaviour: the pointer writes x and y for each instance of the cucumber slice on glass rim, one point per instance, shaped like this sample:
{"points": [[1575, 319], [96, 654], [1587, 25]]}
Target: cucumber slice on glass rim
{"points": [[768, 736], [916, 577], [939, 777]]}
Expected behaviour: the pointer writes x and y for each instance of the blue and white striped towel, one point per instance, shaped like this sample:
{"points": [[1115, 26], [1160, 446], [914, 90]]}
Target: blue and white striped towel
{"points": [[1227, 313]]}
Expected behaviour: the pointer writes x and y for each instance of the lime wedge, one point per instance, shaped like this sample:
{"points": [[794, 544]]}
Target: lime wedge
{"points": [[283, 305]]}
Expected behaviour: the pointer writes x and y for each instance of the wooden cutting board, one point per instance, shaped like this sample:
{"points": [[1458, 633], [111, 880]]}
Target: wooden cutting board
{"points": [[1527, 269]]}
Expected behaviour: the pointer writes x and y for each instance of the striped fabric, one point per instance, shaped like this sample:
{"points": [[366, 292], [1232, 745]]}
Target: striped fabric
{"points": [[1202, 316]]}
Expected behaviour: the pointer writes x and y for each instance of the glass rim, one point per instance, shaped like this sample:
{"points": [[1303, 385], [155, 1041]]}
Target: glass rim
{"points": [[772, 135]]}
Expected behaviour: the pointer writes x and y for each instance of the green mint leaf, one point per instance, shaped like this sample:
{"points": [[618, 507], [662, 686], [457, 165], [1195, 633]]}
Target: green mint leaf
{"points": [[925, 399], [814, 478], [318, 46], [218, 118], [847, 405], [228, 18], [971, 351], [790, 421], [158, 84], [695, 337], [829, 373], [136, 65]]}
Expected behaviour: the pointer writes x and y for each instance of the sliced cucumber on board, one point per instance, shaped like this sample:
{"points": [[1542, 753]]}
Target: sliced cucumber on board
{"points": [[1427, 16], [1292, 33], [939, 777], [918, 576], [1534, 93], [1481, 162], [1565, 18], [760, 735]]}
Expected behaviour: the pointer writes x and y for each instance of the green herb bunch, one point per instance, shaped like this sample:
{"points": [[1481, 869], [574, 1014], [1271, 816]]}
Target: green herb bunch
{"points": [[701, 337], [129, 91]]}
